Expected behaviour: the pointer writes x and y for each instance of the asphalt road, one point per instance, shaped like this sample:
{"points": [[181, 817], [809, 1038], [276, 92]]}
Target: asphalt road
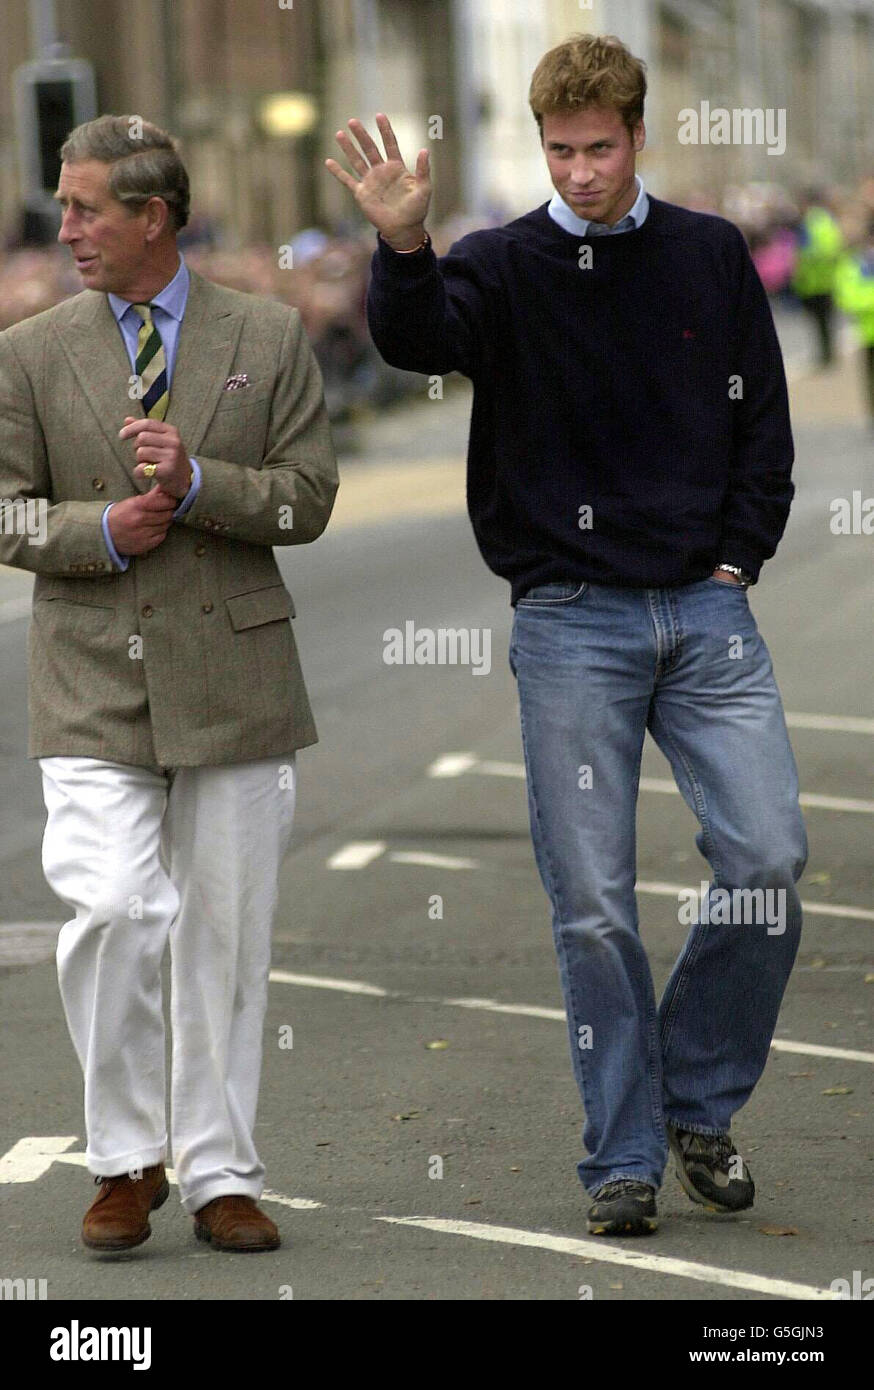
{"points": [[417, 779]]}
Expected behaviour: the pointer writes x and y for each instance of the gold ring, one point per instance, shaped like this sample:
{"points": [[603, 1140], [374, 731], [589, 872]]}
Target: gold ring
{"points": [[150, 469]]}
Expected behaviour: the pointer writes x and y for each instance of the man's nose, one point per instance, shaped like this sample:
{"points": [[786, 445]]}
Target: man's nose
{"points": [[581, 174], [65, 234]]}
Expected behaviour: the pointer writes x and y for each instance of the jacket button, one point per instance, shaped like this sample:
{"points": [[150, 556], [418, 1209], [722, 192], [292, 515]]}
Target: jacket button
{"points": [[148, 610], [206, 608], [98, 483], [200, 549]]}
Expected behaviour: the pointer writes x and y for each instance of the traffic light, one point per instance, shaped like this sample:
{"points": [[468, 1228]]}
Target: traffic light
{"points": [[52, 95]]}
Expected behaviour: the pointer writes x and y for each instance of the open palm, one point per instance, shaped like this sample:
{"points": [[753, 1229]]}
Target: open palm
{"points": [[390, 197]]}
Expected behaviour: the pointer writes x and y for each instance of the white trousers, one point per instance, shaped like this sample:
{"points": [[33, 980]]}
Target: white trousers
{"points": [[193, 855]]}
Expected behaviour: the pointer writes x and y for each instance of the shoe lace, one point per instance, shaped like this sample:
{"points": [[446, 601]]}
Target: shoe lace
{"points": [[715, 1149], [619, 1186]]}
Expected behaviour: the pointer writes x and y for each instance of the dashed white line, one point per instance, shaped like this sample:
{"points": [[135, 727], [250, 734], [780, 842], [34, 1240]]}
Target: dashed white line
{"points": [[459, 763], [525, 1011], [812, 799], [617, 1255], [672, 890], [452, 765], [357, 855], [30, 1158], [831, 723], [843, 1054], [11, 609], [286, 977], [433, 861]]}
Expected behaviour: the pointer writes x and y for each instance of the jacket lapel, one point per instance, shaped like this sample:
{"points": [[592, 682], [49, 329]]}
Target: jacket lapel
{"points": [[208, 337], [94, 345]]}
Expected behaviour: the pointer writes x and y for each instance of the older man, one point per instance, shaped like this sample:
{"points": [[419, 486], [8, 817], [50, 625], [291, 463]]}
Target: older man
{"points": [[169, 432]]}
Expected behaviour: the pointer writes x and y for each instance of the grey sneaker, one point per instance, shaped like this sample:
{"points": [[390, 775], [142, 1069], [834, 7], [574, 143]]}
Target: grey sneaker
{"points": [[624, 1207], [711, 1170]]}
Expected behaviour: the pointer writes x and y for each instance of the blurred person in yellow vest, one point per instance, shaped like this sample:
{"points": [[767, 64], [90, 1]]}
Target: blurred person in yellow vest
{"points": [[854, 295], [820, 244]]}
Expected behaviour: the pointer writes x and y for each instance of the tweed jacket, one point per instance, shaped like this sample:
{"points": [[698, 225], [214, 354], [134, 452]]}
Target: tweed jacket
{"points": [[187, 657]]}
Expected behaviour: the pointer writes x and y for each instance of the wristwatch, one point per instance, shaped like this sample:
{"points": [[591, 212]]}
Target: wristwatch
{"points": [[745, 578]]}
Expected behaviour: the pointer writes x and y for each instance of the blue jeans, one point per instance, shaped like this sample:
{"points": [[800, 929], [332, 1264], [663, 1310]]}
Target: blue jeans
{"points": [[596, 667]]}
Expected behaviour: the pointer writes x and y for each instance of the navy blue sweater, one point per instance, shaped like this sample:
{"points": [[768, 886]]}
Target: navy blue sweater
{"points": [[649, 388]]}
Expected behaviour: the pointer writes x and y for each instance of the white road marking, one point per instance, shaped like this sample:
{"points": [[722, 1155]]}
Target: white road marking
{"points": [[844, 1054], [31, 1157], [433, 861], [285, 977], [466, 762], [813, 799], [672, 890], [523, 1010], [617, 1255], [831, 723], [357, 855], [452, 765], [12, 609], [27, 943]]}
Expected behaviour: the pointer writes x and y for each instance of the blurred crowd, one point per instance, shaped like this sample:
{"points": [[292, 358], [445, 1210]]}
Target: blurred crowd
{"points": [[813, 249]]}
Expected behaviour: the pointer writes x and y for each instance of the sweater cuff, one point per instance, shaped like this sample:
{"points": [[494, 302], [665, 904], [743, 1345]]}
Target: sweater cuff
{"points": [[405, 267], [736, 553]]}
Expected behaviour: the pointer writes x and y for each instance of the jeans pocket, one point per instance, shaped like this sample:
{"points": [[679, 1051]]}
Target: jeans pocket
{"points": [[550, 595], [726, 584]]}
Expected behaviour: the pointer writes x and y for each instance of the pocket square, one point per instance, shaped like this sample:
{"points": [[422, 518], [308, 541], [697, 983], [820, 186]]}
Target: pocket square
{"points": [[234, 382]]}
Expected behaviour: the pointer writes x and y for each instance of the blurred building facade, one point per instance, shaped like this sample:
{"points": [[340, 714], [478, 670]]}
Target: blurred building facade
{"points": [[453, 75]]}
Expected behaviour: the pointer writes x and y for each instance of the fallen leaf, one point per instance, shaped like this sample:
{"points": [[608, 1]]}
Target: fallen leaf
{"points": [[869, 978], [838, 1091], [817, 964], [437, 1045], [473, 1201], [821, 877], [617, 1286], [778, 1230], [794, 1074], [410, 1115], [515, 1169]]}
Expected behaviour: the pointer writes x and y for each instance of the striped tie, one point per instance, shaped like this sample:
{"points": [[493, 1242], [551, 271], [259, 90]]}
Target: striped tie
{"points": [[151, 365]]}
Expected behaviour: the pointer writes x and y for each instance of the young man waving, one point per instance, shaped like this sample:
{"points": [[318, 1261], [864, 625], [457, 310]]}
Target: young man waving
{"points": [[628, 474]]}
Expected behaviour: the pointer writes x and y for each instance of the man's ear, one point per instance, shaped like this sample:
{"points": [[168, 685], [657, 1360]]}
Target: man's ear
{"points": [[157, 218]]}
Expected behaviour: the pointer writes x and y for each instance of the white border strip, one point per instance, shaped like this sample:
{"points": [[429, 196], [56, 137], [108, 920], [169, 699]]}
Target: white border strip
{"points": [[284, 977], [618, 1255]]}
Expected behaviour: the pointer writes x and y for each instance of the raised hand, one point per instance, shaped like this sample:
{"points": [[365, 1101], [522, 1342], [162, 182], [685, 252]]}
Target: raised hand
{"points": [[392, 198]]}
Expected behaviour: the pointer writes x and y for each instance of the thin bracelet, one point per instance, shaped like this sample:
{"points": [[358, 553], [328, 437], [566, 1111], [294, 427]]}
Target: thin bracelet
{"points": [[413, 249]]}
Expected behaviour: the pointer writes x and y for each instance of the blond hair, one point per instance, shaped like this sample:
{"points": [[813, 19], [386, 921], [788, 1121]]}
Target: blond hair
{"points": [[588, 70]]}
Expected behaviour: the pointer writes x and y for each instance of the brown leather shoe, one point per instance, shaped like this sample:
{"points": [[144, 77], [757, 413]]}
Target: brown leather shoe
{"points": [[235, 1223], [118, 1218]]}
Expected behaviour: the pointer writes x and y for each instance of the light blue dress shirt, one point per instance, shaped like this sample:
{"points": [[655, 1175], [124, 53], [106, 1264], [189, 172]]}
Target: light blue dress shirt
{"points": [[168, 309], [564, 215]]}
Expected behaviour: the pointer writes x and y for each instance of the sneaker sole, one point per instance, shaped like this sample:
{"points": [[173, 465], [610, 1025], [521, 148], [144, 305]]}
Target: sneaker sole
{"points": [[691, 1190], [643, 1226], [158, 1200]]}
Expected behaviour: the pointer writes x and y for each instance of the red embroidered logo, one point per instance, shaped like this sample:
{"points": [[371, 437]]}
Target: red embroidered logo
{"points": [[687, 333]]}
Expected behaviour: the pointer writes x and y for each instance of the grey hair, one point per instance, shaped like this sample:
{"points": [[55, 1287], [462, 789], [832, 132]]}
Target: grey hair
{"points": [[144, 161]]}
